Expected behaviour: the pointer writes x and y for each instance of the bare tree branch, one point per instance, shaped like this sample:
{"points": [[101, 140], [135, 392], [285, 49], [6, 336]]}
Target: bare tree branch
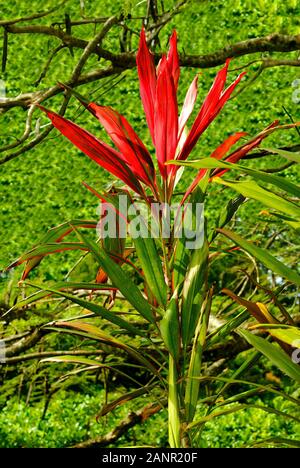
{"points": [[34, 16], [25, 343], [122, 428]]}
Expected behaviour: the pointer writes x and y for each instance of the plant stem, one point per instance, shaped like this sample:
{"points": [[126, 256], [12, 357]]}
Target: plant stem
{"points": [[173, 405]]}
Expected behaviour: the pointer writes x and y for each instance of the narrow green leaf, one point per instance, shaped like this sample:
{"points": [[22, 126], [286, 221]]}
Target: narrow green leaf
{"points": [[210, 163], [276, 441], [108, 407], [152, 268], [290, 155], [286, 333], [251, 189], [92, 332], [47, 249], [99, 310], [234, 409], [169, 327], [278, 357], [224, 330], [74, 360], [59, 286], [193, 291], [58, 232], [180, 262], [264, 257], [182, 253], [193, 385], [119, 278], [229, 210]]}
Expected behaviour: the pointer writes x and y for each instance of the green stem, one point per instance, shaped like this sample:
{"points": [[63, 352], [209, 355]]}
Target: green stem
{"points": [[173, 405]]}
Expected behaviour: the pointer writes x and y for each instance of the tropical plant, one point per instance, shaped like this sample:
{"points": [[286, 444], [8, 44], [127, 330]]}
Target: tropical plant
{"points": [[165, 279]]}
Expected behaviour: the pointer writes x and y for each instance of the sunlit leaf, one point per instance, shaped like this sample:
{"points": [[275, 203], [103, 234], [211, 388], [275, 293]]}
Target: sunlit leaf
{"points": [[274, 354]]}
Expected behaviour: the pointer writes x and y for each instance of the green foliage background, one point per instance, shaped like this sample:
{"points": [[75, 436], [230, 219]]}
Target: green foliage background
{"points": [[42, 188]]}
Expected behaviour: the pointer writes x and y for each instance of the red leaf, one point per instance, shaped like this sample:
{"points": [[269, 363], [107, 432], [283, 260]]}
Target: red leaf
{"points": [[212, 105], [173, 59], [243, 150], [166, 118], [133, 151], [219, 153], [97, 150], [147, 77]]}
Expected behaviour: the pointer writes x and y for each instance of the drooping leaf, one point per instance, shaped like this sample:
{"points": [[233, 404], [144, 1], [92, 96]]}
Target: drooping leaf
{"points": [[59, 286], [274, 354], [290, 155], [251, 189], [263, 256], [47, 249], [209, 163], [75, 360], [286, 333], [258, 310], [108, 407], [98, 310], [226, 329], [92, 332]]}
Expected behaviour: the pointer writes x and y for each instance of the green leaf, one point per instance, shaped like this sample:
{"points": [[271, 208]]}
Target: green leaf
{"points": [[281, 182], [193, 291], [290, 155], [224, 330], [119, 278], [55, 234], [92, 332], [234, 409], [278, 357], [152, 268], [229, 210], [74, 360], [108, 407], [251, 189], [98, 310], [276, 441], [169, 327], [59, 286], [286, 333], [180, 262], [193, 385], [47, 249], [182, 254], [264, 257], [210, 163], [58, 232]]}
